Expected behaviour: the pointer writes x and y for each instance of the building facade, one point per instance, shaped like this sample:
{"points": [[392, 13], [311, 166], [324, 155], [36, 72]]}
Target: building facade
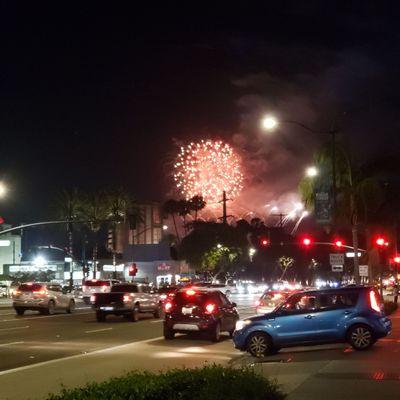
{"points": [[10, 249]]}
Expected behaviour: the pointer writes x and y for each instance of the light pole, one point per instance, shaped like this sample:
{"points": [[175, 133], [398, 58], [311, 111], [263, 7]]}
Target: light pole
{"points": [[270, 123]]}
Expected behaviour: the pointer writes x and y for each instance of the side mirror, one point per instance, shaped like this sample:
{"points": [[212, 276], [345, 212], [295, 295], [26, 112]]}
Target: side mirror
{"points": [[234, 304]]}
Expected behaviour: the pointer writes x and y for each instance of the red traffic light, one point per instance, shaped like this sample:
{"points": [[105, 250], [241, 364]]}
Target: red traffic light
{"points": [[264, 242], [133, 270], [307, 241], [381, 242], [338, 243]]}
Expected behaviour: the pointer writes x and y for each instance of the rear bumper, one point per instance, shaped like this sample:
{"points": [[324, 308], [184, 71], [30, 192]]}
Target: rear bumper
{"points": [[31, 304], [383, 328], [185, 326], [107, 309]]}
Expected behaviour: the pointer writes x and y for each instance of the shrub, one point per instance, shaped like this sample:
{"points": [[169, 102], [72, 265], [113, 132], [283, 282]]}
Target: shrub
{"points": [[207, 383], [390, 307]]}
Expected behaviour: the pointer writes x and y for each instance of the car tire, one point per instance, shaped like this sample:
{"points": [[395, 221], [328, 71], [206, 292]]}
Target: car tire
{"points": [[360, 337], [71, 307], [19, 310], [100, 316], [51, 308], [215, 334], [158, 312], [259, 345], [169, 334], [135, 314]]}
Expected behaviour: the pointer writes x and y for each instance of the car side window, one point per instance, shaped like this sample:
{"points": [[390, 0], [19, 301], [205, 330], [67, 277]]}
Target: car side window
{"points": [[54, 288], [224, 301], [300, 304]]}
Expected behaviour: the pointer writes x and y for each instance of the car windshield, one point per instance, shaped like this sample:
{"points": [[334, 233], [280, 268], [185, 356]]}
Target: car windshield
{"points": [[30, 287], [124, 288], [182, 298]]}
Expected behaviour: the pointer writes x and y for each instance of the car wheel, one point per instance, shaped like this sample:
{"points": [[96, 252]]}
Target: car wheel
{"points": [[71, 307], [259, 345], [100, 316], [215, 334], [51, 308], [360, 337], [135, 314], [19, 310], [158, 312], [169, 334]]}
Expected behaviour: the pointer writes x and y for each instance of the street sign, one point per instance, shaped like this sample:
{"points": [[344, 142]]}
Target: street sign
{"points": [[336, 259], [337, 268], [322, 207], [363, 270]]}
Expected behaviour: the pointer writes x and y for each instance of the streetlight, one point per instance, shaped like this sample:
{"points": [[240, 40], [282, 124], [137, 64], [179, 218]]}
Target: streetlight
{"points": [[269, 123], [3, 189], [252, 251], [165, 227], [311, 172]]}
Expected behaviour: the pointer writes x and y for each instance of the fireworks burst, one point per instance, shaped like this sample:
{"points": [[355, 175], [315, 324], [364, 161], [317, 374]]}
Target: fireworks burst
{"points": [[207, 168]]}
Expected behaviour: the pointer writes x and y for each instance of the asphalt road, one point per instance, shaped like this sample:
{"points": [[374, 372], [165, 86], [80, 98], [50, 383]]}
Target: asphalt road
{"points": [[44, 352]]}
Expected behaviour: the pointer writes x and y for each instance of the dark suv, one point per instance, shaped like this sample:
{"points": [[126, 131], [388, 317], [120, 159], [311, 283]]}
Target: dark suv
{"points": [[199, 310]]}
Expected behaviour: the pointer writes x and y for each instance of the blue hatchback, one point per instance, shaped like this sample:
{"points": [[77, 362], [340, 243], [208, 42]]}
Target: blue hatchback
{"points": [[350, 314]]}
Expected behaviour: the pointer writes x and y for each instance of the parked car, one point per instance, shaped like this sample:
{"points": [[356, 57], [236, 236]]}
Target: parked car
{"points": [[166, 292], [199, 310], [353, 314], [127, 299], [44, 297], [3, 290], [92, 286], [270, 300]]}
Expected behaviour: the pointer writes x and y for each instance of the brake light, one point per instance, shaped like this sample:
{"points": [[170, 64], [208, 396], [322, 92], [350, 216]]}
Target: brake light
{"points": [[92, 298], [17, 293], [257, 303], [190, 292], [277, 296], [127, 298], [167, 307], [210, 308], [374, 301], [103, 288]]}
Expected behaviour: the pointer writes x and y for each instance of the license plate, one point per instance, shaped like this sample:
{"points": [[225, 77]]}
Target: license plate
{"points": [[187, 310], [107, 308]]}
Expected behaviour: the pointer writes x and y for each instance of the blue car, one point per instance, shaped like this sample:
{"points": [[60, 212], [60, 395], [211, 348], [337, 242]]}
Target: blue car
{"points": [[349, 314]]}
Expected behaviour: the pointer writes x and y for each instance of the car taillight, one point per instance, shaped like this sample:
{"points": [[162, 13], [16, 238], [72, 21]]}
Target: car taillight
{"points": [[17, 293], [92, 298], [84, 288], [127, 298], [210, 308], [257, 303], [168, 307], [374, 303], [190, 292], [104, 288]]}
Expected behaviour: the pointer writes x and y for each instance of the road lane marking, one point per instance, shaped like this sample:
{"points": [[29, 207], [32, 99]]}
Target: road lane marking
{"points": [[99, 330], [44, 316], [155, 322], [113, 348], [17, 327], [10, 344]]}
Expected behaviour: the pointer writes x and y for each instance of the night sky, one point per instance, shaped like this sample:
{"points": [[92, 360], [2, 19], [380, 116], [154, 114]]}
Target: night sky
{"points": [[98, 97]]}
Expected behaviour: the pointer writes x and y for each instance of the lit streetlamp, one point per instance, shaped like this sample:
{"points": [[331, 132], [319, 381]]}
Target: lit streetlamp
{"points": [[311, 172], [3, 189]]}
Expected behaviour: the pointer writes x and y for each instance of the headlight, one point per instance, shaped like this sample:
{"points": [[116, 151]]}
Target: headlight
{"points": [[241, 324]]}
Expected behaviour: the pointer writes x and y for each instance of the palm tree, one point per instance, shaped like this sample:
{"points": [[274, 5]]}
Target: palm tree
{"points": [[171, 207], [184, 210], [67, 207], [95, 208], [196, 203]]}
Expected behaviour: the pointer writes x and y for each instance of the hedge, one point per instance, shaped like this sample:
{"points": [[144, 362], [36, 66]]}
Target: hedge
{"points": [[206, 383]]}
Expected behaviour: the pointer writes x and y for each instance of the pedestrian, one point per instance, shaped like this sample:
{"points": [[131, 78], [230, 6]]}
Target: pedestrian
{"points": [[396, 292]]}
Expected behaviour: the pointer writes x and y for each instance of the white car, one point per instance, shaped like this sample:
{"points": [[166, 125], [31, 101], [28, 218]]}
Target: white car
{"points": [[227, 290], [93, 286]]}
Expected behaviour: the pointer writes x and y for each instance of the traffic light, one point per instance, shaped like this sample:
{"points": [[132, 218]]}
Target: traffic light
{"points": [[133, 269], [111, 239], [264, 242], [307, 241], [338, 243], [381, 242]]}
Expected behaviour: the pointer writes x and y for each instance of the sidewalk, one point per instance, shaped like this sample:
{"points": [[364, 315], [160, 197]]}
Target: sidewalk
{"points": [[337, 371]]}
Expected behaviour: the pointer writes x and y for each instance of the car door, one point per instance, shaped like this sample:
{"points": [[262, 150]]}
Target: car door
{"points": [[229, 313], [335, 308], [294, 322]]}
